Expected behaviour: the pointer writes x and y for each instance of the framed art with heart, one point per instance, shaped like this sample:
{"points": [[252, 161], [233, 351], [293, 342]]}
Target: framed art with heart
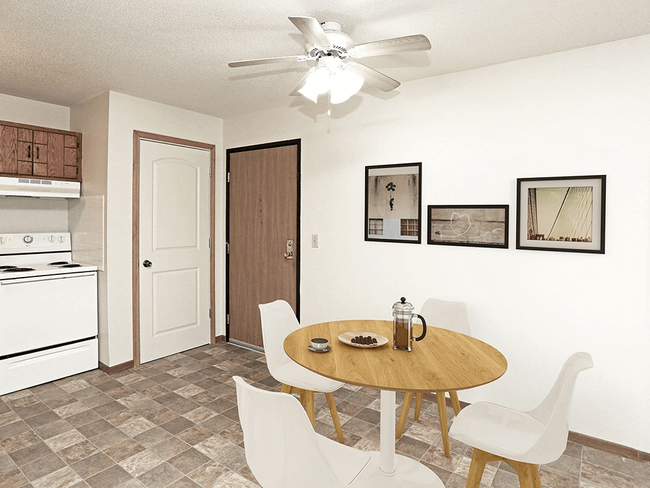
{"points": [[468, 225]]}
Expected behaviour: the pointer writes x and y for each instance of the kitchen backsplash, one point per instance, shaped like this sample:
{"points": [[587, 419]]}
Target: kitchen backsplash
{"points": [[86, 224]]}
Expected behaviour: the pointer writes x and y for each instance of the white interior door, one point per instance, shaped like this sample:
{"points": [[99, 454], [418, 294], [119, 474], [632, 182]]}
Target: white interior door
{"points": [[174, 249]]}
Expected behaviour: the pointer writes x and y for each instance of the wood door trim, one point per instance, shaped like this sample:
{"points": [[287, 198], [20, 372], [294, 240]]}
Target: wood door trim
{"points": [[135, 244], [269, 145]]}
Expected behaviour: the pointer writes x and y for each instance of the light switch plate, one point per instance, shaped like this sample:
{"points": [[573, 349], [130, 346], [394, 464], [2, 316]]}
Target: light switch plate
{"points": [[314, 240]]}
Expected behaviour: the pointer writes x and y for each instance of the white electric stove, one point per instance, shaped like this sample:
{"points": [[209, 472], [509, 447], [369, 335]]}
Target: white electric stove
{"points": [[48, 311]]}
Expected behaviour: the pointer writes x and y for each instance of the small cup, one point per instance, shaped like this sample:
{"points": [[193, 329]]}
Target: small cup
{"points": [[319, 343]]}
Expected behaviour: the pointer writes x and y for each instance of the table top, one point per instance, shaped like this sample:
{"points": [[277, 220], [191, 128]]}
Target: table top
{"points": [[443, 361]]}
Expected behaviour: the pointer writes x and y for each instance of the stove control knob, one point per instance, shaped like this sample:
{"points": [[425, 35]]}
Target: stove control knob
{"points": [[28, 239], [61, 239], [3, 240], [51, 238]]}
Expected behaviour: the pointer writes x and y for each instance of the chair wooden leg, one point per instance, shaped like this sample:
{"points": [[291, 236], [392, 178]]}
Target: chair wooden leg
{"points": [[335, 416], [455, 402], [302, 398], [406, 406], [286, 388], [309, 406], [418, 405], [528, 474], [477, 467], [442, 415]]}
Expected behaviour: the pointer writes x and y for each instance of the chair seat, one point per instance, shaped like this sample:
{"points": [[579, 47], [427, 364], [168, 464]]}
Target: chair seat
{"points": [[295, 375], [498, 430], [346, 461]]}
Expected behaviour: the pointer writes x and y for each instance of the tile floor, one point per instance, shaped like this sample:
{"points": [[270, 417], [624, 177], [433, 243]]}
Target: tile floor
{"points": [[174, 423]]}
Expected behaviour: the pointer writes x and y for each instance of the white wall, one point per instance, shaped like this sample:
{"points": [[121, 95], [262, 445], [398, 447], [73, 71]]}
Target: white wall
{"points": [[127, 114], [91, 119], [18, 215], [476, 132]]}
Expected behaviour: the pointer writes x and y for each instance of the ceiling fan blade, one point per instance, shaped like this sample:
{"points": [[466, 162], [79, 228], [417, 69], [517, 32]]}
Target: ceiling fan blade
{"points": [[312, 30], [301, 83], [416, 42], [373, 77], [279, 59]]}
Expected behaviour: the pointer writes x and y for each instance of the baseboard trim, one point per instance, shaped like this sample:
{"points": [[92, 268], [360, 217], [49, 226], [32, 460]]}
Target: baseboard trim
{"points": [[610, 447], [582, 439], [219, 338], [117, 368]]}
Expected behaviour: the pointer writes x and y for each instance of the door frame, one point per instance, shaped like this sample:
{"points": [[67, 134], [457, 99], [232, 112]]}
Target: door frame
{"points": [[269, 145], [135, 215]]}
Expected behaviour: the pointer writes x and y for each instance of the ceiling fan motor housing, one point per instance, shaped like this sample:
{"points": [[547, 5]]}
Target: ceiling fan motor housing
{"points": [[338, 39]]}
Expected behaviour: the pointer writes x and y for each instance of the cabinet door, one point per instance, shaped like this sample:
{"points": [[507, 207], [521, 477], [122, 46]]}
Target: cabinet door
{"points": [[25, 156], [8, 141], [55, 154]]}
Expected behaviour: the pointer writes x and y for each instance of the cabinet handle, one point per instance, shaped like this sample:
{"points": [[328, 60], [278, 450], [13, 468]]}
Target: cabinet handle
{"points": [[29, 152], [38, 153]]}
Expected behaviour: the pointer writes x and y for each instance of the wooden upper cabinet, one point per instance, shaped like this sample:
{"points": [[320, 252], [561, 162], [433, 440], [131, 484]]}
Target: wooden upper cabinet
{"points": [[38, 151]]}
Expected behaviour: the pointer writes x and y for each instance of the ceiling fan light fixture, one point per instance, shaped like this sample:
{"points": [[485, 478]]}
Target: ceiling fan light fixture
{"points": [[318, 82], [344, 84]]}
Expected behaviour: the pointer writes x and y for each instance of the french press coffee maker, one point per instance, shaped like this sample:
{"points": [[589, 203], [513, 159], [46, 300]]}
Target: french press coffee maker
{"points": [[403, 314]]}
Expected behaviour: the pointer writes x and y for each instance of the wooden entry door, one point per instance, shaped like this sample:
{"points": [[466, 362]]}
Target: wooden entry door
{"points": [[263, 221]]}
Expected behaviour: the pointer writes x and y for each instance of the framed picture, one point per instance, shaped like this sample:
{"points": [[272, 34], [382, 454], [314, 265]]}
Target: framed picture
{"points": [[468, 225], [563, 213], [393, 209]]}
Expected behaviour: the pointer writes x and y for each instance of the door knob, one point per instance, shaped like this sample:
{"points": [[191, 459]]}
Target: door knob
{"points": [[146, 263]]}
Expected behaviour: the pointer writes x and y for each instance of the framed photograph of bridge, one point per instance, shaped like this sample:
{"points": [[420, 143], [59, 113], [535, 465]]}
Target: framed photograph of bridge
{"points": [[468, 225], [393, 211], [562, 213]]}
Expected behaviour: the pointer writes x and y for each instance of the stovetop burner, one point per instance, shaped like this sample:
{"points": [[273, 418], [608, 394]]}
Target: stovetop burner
{"points": [[16, 270], [70, 265], [7, 267], [58, 263]]}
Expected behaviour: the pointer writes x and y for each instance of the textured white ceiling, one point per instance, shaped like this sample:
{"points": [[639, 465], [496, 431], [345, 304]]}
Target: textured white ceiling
{"points": [[176, 51]]}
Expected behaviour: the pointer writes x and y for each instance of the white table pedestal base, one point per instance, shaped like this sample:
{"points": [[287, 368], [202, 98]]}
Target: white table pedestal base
{"points": [[408, 474], [387, 469]]}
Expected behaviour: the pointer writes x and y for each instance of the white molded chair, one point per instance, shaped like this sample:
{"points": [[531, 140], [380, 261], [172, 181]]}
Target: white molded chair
{"points": [[284, 451], [522, 439], [446, 315], [278, 321]]}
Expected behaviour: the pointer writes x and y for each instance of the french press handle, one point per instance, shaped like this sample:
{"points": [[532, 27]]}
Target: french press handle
{"points": [[424, 327]]}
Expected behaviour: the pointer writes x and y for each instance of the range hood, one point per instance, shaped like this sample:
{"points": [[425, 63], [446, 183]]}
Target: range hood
{"points": [[31, 187]]}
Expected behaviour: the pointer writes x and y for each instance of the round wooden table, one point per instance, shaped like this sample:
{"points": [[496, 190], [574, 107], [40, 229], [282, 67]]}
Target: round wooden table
{"points": [[443, 361]]}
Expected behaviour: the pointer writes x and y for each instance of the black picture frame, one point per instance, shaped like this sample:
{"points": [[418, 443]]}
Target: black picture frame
{"points": [[561, 213], [393, 203], [468, 225]]}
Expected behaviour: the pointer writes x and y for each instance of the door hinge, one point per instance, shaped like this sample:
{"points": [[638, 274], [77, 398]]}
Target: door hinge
{"points": [[210, 172], [228, 177], [227, 319], [210, 313], [209, 242], [227, 248]]}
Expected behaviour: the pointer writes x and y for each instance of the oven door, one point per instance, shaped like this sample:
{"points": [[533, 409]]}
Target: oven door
{"points": [[45, 311]]}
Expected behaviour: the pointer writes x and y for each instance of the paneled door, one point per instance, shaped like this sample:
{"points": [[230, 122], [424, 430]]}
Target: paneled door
{"points": [[263, 234], [174, 249]]}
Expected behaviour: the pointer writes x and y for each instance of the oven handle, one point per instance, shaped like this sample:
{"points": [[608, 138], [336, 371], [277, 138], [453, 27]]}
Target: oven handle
{"points": [[35, 279]]}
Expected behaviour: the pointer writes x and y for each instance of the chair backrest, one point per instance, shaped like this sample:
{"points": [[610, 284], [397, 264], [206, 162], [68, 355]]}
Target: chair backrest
{"points": [[446, 315], [280, 443], [554, 410], [278, 321]]}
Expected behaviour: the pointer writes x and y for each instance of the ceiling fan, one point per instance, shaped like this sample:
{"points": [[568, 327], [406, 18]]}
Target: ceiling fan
{"points": [[336, 69]]}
